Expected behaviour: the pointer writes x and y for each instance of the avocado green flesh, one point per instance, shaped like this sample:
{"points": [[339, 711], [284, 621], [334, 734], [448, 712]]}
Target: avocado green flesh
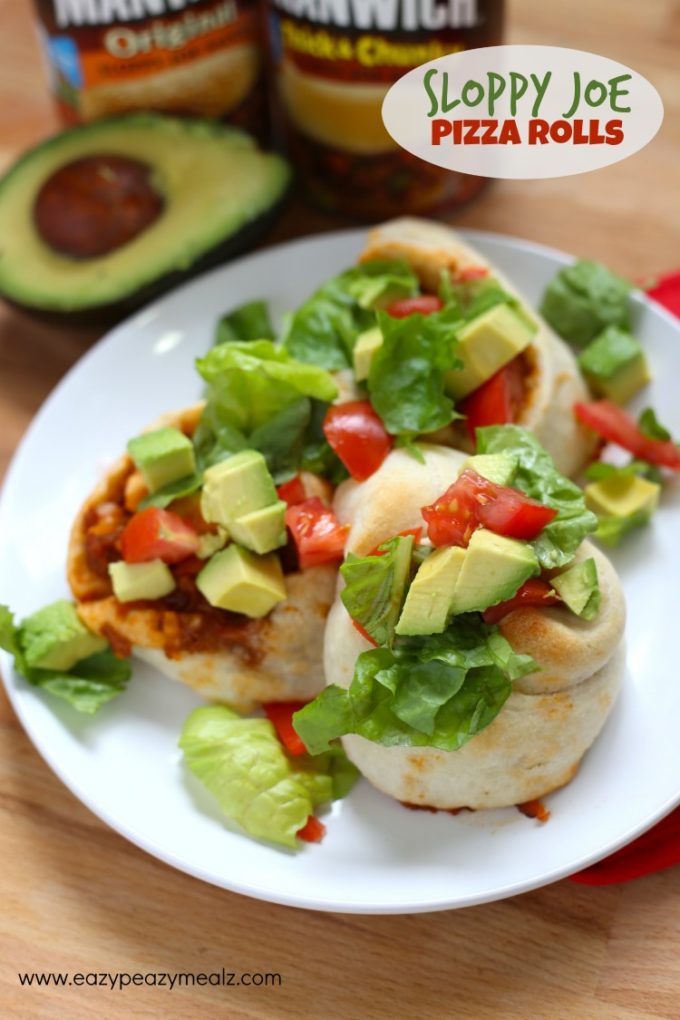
{"points": [[214, 182]]}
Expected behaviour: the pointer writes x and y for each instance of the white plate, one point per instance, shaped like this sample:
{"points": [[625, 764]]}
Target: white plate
{"points": [[377, 857]]}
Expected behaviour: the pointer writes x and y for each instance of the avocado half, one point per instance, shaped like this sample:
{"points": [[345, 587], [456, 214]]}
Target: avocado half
{"points": [[205, 190]]}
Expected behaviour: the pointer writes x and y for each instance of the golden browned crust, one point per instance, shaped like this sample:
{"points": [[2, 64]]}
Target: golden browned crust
{"points": [[551, 718], [277, 658]]}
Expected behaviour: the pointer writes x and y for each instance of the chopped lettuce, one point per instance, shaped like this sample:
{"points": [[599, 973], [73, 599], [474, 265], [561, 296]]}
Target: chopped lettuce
{"points": [[585, 298], [242, 763], [375, 587], [611, 530], [86, 686], [249, 321], [323, 331], [259, 398], [436, 691], [600, 469], [407, 377], [651, 427], [538, 477], [248, 383]]}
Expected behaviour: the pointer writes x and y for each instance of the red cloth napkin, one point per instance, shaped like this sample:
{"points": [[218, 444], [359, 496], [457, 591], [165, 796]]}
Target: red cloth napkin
{"points": [[660, 847]]}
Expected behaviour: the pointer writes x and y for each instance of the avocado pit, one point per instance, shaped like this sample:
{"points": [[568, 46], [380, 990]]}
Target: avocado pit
{"points": [[94, 205]]}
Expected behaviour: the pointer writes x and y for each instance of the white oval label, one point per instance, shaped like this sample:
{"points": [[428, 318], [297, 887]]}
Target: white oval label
{"points": [[522, 112]]}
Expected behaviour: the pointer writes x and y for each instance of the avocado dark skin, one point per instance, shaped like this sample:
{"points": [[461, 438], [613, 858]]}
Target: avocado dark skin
{"points": [[180, 195], [105, 316]]}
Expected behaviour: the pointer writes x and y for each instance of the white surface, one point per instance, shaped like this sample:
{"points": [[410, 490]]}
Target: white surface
{"points": [[378, 857]]}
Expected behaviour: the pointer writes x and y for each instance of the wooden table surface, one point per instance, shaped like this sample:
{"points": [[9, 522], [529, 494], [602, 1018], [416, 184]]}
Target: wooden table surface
{"points": [[78, 897]]}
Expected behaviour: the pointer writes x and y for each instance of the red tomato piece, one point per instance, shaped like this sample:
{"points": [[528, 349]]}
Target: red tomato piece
{"points": [[155, 534], [495, 401], [357, 435], [666, 290], [515, 515], [426, 304], [318, 535], [313, 831], [364, 633], [534, 592], [615, 425], [280, 714], [292, 492], [473, 502]]}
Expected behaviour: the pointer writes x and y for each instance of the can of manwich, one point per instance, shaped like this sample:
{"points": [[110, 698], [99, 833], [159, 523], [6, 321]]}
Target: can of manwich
{"points": [[199, 57], [334, 62]]}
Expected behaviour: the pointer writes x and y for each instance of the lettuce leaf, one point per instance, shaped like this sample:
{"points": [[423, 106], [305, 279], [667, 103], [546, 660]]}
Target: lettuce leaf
{"points": [[651, 427], [248, 322], [242, 763], [601, 469], [538, 477], [87, 686], [407, 376], [259, 398], [437, 691], [324, 329], [583, 299], [612, 530], [375, 587], [248, 383]]}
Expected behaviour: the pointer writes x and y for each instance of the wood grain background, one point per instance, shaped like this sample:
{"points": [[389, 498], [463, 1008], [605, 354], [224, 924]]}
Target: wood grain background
{"points": [[77, 897]]}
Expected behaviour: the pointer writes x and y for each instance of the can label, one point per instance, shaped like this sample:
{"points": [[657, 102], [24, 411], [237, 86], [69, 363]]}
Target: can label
{"points": [[336, 60], [201, 57]]}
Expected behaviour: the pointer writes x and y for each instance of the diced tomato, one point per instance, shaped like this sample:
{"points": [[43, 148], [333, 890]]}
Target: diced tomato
{"points": [[417, 535], [495, 401], [318, 535], [313, 831], [280, 714], [155, 534], [426, 304], [356, 433], [473, 502], [534, 592], [292, 492], [472, 273], [615, 425], [364, 633], [666, 290]]}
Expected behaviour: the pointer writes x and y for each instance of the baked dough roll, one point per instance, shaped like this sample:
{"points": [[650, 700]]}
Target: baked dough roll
{"points": [[223, 655], [553, 714], [552, 383]]}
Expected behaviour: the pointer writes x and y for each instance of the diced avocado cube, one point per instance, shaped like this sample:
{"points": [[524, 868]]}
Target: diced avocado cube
{"points": [[579, 588], [583, 299], [427, 606], [262, 530], [211, 542], [622, 495], [496, 467], [493, 569], [162, 456], [364, 349], [55, 637], [615, 365], [237, 580], [486, 344], [236, 487], [133, 581]]}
